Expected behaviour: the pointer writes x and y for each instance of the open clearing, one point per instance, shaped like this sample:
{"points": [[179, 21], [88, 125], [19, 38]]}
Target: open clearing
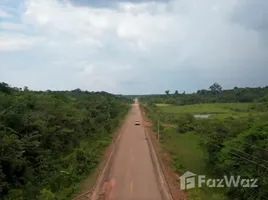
{"points": [[217, 110]]}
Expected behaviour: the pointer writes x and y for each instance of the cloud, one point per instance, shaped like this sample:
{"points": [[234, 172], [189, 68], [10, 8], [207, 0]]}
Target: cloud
{"points": [[109, 3], [12, 26], [15, 42], [137, 47], [4, 14], [252, 15]]}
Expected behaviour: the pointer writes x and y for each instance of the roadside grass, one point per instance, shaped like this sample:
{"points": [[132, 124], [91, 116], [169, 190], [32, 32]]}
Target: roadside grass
{"points": [[184, 147], [188, 155]]}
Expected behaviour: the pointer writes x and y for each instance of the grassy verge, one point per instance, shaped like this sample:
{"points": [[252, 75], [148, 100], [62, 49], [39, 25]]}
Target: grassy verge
{"points": [[187, 155], [184, 147], [191, 142]]}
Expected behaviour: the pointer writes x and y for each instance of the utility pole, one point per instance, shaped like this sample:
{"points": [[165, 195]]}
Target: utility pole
{"points": [[158, 130]]}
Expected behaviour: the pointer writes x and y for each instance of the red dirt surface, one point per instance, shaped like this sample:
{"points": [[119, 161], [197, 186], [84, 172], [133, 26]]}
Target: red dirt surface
{"points": [[130, 171], [165, 161], [131, 174]]}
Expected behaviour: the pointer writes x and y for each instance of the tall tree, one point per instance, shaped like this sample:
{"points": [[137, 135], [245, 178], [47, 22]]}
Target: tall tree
{"points": [[167, 92], [216, 87]]}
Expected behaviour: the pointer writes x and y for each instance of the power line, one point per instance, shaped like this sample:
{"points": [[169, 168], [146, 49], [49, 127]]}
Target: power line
{"points": [[212, 142], [248, 144], [244, 158], [249, 154]]}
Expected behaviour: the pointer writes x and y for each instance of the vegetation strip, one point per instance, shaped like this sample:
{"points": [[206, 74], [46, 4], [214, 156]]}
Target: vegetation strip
{"points": [[115, 141], [51, 141], [232, 141]]}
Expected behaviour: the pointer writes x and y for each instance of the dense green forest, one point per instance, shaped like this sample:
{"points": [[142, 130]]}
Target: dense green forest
{"points": [[215, 94], [232, 141], [51, 141]]}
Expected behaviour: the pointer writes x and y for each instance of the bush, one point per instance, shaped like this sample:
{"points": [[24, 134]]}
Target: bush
{"points": [[185, 123]]}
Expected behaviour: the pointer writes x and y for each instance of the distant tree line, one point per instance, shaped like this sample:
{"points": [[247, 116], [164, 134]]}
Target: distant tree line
{"points": [[215, 94]]}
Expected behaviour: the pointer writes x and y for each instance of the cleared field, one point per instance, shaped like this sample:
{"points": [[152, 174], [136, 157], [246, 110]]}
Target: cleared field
{"points": [[217, 108], [162, 104]]}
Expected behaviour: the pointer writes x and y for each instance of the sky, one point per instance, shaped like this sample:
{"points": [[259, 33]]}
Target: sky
{"points": [[133, 47]]}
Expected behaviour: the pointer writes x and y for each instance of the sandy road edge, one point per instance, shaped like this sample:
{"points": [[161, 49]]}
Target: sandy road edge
{"points": [[164, 159], [102, 175], [162, 183]]}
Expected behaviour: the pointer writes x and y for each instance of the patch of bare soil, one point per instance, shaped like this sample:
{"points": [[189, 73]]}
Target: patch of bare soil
{"points": [[166, 163], [147, 123]]}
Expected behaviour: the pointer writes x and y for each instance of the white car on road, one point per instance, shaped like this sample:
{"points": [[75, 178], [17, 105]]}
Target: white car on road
{"points": [[137, 122]]}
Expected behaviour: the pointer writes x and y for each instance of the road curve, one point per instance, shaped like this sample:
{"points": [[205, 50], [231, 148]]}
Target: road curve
{"points": [[131, 176]]}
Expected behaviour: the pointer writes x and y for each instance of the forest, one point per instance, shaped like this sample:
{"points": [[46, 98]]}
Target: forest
{"points": [[232, 138], [51, 141], [214, 94]]}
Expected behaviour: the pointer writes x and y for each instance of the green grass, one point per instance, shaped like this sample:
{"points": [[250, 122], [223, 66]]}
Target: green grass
{"points": [[217, 110], [206, 108], [184, 147], [162, 104], [188, 155]]}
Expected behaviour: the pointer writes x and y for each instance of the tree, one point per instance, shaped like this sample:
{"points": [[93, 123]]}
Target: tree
{"points": [[167, 92], [216, 88], [41, 134], [4, 87], [176, 92], [25, 89]]}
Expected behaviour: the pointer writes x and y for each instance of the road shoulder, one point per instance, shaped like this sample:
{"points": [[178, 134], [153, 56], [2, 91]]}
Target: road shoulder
{"points": [[164, 160], [97, 178]]}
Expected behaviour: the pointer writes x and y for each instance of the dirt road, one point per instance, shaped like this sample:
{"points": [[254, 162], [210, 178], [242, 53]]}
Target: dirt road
{"points": [[131, 176]]}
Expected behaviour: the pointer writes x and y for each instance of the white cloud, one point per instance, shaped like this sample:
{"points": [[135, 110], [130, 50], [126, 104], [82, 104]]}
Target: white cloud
{"points": [[161, 44], [91, 23], [12, 26], [15, 42], [4, 14]]}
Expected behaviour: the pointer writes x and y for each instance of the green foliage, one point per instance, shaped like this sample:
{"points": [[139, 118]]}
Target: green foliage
{"points": [[215, 108], [50, 141], [215, 88], [234, 143], [46, 195], [251, 145], [185, 123], [215, 94]]}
